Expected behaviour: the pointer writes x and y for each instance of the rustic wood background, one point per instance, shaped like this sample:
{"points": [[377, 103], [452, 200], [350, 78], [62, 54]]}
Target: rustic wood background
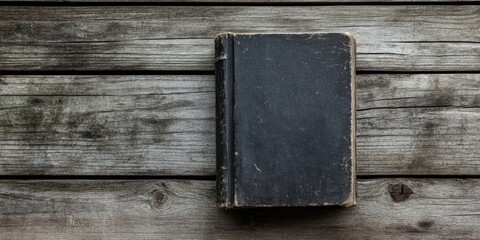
{"points": [[107, 119]]}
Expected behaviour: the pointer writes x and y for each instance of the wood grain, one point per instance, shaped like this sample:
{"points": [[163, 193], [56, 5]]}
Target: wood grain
{"points": [[185, 209], [425, 124], [390, 38], [418, 124], [113, 125]]}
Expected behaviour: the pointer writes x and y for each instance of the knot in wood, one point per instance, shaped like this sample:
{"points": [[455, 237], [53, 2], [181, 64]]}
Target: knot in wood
{"points": [[400, 192], [159, 198]]}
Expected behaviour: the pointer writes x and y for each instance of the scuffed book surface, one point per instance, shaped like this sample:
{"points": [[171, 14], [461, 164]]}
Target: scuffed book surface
{"points": [[285, 117]]}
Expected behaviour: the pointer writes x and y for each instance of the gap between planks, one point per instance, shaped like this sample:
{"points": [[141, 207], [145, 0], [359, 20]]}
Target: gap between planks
{"points": [[230, 2]]}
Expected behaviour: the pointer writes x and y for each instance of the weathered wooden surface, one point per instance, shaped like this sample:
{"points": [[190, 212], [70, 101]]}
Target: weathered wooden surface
{"points": [[112, 125], [162, 125], [185, 209], [390, 38], [422, 124], [418, 124]]}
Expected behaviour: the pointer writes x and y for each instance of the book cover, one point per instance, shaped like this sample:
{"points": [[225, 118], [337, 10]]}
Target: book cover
{"points": [[285, 120]]}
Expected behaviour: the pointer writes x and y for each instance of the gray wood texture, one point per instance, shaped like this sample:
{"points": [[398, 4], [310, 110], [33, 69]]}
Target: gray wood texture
{"points": [[407, 124], [185, 209], [107, 125], [390, 38], [84, 126], [418, 124]]}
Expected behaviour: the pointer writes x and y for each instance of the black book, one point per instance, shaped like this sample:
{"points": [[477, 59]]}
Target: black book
{"points": [[285, 118]]}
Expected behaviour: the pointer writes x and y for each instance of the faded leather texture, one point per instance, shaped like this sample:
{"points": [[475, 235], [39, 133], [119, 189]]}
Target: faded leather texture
{"points": [[285, 120]]}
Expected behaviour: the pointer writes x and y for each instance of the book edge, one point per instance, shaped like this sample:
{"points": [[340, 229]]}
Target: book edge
{"points": [[352, 199], [224, 118]]}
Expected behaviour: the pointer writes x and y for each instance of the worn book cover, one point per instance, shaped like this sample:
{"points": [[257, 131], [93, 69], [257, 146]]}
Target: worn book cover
{"points": [[285, 118]]}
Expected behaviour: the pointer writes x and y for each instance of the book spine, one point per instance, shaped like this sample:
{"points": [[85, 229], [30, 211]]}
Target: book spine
{"points": [[224, 118]]}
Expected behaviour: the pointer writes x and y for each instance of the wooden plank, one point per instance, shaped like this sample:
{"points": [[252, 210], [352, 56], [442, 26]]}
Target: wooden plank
{"points": [[426, 124], [185, 209], [390, 38], [418, 124], [107, 125], [417, 90]]}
